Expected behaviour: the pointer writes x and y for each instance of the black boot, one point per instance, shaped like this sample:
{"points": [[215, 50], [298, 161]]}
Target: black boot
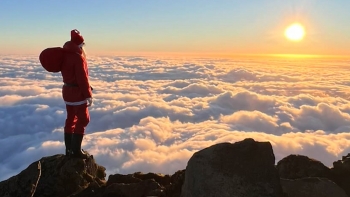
{"points": [[76, 146], [68, 143]]}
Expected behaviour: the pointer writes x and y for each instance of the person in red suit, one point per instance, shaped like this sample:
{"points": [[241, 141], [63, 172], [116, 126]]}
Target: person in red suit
{"points": [[76, 93]]}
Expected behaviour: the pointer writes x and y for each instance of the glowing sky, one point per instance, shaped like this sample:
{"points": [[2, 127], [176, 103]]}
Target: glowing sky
{"points": [[176, 27], [151, 113]]}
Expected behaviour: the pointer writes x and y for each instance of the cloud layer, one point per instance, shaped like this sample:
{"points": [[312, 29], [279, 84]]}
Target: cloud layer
{"points": [[152, 114]]}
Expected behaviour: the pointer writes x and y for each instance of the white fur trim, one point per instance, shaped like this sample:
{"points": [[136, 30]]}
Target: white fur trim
{"points": [[81, 45]]}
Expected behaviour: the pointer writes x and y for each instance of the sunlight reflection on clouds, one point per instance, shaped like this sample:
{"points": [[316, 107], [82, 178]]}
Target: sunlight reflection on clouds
{"points": [[152, 114]]}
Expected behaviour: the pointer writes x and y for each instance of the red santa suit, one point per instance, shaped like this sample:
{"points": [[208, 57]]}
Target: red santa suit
{"points": [[76, 89]]}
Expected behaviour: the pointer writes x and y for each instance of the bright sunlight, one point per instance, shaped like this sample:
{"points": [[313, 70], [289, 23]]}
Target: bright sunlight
{"points": [[295, 32]]}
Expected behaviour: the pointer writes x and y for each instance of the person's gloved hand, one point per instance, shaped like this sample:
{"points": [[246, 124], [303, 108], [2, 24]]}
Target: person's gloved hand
{"points": [[89, 102]]}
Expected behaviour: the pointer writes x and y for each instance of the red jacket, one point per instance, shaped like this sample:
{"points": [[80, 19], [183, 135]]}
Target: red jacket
{"points": [[75, 72]]}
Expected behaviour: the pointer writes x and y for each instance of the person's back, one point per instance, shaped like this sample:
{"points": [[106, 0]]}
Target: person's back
{"points": [[71, 59], [75, 74]]}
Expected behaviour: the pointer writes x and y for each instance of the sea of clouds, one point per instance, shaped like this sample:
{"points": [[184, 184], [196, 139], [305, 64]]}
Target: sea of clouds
{"points": [[151, 114]]}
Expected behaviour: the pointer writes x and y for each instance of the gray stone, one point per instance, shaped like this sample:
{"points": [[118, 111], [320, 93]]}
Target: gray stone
{"points": [[54, 176], [300, 166], [312, 187], [242, 169]]}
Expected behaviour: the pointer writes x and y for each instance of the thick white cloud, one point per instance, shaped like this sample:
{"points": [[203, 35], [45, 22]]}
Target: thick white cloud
{"points": [[152, 114]]}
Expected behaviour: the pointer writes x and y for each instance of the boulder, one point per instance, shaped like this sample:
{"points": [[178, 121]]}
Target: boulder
{"points": [[300, 166], [176, 182], [144, 188], [54, 176], [159, 178], [121, 178], [23, 184], [137, 185], [245, 168], [341, 173], [311, 187]]}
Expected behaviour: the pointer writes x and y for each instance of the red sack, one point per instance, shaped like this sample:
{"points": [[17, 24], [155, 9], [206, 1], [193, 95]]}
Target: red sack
{"points": [[51, 59]]}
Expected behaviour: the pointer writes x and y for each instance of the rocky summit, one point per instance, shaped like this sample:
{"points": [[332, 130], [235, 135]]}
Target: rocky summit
{"points": [[242, 169], [56, 175]]}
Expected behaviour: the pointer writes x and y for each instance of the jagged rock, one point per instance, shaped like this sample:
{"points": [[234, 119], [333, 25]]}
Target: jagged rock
{"points": [[120, 178], [23, 184], [159, 178], [140, 189], [300, 166], [244, 168], [137, 184], [312, 187], [341, 173], [138, 177], [58, 176], [93, 190], [176, 182]]}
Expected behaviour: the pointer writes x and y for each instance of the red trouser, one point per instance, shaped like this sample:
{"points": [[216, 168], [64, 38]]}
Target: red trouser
{"points": [[77, 118]]}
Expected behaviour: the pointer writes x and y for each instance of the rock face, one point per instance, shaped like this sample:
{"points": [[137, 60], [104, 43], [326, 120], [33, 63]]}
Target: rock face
{"points": [[138, 185], [341, 173], [311, 187], [299, 166], [24, 184], [54, 176], [244, 168]]}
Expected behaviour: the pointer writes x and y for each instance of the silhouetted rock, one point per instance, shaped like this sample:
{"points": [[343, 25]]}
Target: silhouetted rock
{"points": [[244, 168], [312, 187], [300, 166], [159, 178], [341, 173], [176, 182], [138, 185], [120, 178], [93, 190], [23, 184], [144, 188], [56, 176]]}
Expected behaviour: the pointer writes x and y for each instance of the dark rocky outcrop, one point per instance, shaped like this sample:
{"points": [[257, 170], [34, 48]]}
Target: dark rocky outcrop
{"points": [[143, 188], [138, 185], [245, 168], [300, 166], [24, 184], [341, 173], [176, 182], [311, 187], [54, 176]]}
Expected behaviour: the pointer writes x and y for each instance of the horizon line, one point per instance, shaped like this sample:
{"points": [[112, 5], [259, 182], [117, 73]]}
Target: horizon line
{"points": [[202, 55]]}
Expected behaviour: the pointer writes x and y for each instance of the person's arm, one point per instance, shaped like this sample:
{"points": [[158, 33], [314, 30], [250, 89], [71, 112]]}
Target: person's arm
{"points": [[82, 76]]}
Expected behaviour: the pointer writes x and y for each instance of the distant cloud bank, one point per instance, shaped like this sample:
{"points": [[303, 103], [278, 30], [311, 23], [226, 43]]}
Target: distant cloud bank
{"points": [[152, 114]]}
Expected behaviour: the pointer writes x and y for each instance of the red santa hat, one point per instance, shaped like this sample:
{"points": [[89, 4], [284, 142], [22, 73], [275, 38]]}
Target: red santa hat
{"points": [[76, 37]]}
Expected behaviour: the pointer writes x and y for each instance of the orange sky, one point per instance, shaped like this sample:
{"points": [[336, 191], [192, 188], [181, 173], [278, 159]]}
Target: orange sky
{"points": [[202, 28]]}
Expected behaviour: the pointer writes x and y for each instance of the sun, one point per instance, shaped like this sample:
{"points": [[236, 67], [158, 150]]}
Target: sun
{"points": [[295, 32]]}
